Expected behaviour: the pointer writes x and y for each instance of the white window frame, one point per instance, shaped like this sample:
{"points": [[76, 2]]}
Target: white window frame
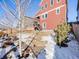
{"points": [[44, 27], [51, 5], [41, 0], [45, 5], [57, 9], [44, 16], [42, 7], [58, 1]]}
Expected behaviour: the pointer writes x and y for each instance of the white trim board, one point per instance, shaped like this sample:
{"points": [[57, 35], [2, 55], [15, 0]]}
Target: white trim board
{"points": [[51, 10]]}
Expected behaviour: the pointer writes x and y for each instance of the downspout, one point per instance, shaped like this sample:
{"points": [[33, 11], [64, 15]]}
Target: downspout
{"points": [[67, 11], [78, 11]]}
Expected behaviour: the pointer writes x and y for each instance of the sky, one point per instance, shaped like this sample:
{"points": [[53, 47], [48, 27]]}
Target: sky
{"points": [[34, 7], [72, 10]]}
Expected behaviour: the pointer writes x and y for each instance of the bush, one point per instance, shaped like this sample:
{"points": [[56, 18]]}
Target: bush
{"points": [[61, 32]]}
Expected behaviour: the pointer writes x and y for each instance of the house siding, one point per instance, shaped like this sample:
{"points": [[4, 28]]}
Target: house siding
{"points": [[76, 30], [53, 19]]}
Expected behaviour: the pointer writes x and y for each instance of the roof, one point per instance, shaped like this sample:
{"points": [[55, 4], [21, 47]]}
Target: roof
{"points": [[30, 17], [77, 22], [26, 22]]}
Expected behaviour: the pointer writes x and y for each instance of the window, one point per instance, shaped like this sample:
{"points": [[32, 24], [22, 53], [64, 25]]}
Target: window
{"points": [[46, 5], [41, 0], [44, 16], [44, 25], [58, 1], [42, 8], [51, 2], [58, 11]]}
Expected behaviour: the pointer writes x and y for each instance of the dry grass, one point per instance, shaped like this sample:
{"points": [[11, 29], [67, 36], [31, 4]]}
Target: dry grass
{"points": [[37, 44]]}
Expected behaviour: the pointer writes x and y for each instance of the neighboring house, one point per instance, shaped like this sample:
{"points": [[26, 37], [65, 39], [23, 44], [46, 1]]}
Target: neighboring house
{"points": [[75, 29], [52, 13], [26, 23], [78, 11]]}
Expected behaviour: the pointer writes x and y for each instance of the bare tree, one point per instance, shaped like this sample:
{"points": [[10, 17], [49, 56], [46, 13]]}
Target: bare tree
{"points": [[21, 10], [21, 6]]}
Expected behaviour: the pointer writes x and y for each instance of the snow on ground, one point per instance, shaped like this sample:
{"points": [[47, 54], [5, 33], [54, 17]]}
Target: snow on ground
{"points": [[6, 50], [55, 52], [25, 37], [52, 51], [69, 52], [49, 47]]}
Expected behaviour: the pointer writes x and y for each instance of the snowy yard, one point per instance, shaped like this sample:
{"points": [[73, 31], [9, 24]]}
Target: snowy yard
{"points": [[55, 52], [70, 52], [52, 51]]}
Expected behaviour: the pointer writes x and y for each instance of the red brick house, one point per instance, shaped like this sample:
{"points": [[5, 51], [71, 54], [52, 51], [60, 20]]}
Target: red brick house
{"points": [[52, 13]]}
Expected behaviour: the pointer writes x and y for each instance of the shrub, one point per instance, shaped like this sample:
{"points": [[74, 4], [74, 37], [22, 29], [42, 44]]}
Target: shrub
{"points": [[61, 32]]}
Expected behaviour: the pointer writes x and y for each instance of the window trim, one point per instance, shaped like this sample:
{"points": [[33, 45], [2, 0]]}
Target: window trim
{"points": [[41, 0], [44, 16], [42, 8], [44, 25], [58, 1], [57, 12], [46, 4], [51, 5]]}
